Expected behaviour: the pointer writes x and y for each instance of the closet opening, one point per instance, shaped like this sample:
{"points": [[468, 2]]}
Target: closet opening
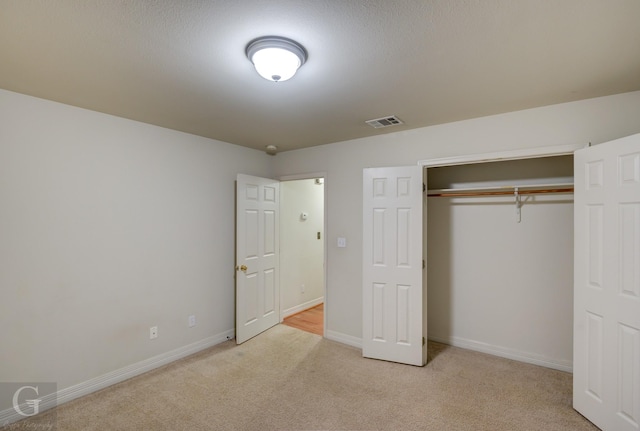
{"points": [[499, 258]]}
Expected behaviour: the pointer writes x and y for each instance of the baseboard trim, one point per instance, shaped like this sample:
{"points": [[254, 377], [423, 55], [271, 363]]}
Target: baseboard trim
{"points": [[304, 306], [9, 415], [504, 352], [343, 338]]}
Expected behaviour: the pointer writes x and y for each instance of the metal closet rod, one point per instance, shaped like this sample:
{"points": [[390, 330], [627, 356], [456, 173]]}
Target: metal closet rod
{"points": [[499, 192]]}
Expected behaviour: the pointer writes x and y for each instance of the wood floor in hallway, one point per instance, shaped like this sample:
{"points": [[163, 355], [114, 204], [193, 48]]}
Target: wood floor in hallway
{"points": [[310, 320]]}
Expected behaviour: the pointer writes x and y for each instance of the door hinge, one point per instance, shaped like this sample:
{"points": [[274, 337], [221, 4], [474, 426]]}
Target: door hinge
{"points": [[424, 341], [424, 187], [423, 264]]}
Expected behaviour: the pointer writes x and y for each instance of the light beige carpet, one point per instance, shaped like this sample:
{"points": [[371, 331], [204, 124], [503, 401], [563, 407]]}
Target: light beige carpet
{"points": [[286, 379]]}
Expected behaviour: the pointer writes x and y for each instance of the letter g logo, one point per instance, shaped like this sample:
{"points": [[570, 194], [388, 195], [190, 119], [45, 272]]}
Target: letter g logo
{"points": [[30, 403]]}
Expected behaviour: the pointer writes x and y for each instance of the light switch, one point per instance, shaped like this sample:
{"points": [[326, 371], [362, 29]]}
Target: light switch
{"points": [[342, 242]]}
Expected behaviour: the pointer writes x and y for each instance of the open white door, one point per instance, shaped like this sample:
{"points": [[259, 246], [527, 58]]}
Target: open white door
{"points": [[392, 265], [257, 262], [606, 355]]}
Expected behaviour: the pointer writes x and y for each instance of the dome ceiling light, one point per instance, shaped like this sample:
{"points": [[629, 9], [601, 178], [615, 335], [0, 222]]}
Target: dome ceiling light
{"points": [[276, 58]]}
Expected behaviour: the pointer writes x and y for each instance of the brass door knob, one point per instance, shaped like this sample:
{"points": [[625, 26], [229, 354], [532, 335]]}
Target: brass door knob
{"points": [[242, 268]]}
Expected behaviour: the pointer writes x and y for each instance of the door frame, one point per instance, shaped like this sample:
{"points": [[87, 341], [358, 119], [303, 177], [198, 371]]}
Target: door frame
{"points": [[310, 176], [525, 153], [508, 155]]}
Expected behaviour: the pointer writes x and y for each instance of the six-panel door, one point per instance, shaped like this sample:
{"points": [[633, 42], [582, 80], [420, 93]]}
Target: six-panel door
{"points": [[606, 380], [257, 262], [392, 265]]}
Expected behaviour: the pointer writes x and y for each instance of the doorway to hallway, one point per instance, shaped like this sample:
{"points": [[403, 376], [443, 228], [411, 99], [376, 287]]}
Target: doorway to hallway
{"points": [[302, 253]]}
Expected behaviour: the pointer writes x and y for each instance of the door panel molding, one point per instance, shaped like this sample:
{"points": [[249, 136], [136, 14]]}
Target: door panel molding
{"points": [[257, 257], [392, 290], [606, 379]]}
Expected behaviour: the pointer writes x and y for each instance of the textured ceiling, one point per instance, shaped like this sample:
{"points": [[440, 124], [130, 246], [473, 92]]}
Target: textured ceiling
{"points": [[181, 64]]}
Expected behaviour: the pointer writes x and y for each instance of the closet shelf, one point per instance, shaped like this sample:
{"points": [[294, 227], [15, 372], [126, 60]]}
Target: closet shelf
{"points": [[524, 189]]}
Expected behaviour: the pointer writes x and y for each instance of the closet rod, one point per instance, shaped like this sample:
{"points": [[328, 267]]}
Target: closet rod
{"points": [[453, 194]]}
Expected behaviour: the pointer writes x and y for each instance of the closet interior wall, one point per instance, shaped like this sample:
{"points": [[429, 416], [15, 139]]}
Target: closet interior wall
{"points": [[495, 282]]}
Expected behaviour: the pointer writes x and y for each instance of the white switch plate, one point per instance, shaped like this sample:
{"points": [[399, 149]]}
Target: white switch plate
{"points": [[342, 242]]}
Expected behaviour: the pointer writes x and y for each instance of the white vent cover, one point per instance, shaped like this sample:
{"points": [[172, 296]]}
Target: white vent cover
{"points": [[384, 122]]}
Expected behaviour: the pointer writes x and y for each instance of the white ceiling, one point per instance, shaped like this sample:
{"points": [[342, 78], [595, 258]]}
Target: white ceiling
{"points": [[181, 64]]}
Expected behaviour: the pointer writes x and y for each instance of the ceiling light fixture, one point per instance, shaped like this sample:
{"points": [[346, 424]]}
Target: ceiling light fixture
{"points": [[276, 58], [271, 150]]}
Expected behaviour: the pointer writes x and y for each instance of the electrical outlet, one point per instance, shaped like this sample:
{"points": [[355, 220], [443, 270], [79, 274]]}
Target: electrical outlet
{"points": [[302, 288], [192, 321], [153, 332]]}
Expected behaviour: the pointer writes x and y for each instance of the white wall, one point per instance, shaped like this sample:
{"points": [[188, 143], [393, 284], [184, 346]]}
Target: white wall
{"points": [[594, 120], [301, 252], [107, 227]]}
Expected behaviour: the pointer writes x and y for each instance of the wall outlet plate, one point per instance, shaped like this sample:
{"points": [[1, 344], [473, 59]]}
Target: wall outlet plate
{"points": [[192, 321], [153, 332]]}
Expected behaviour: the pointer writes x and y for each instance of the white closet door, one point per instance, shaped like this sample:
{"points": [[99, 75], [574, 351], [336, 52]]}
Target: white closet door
{"points": [[392, 265], [606, 379]]}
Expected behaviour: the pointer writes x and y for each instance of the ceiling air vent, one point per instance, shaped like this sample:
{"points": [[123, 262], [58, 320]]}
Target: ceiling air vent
{"points": [[384, 122]]}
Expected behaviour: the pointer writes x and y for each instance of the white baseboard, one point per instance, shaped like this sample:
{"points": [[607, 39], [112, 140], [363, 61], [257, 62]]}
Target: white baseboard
{"points": [[343, 338], [504, 352], [298, 308], [10, 415]]}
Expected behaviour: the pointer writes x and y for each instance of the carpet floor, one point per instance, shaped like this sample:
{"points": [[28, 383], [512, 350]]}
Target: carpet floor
{"points": [[287, 379]]}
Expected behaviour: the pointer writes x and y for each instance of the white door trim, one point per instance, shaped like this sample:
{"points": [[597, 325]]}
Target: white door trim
{"points": [[309, 176], [526, 153]]}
